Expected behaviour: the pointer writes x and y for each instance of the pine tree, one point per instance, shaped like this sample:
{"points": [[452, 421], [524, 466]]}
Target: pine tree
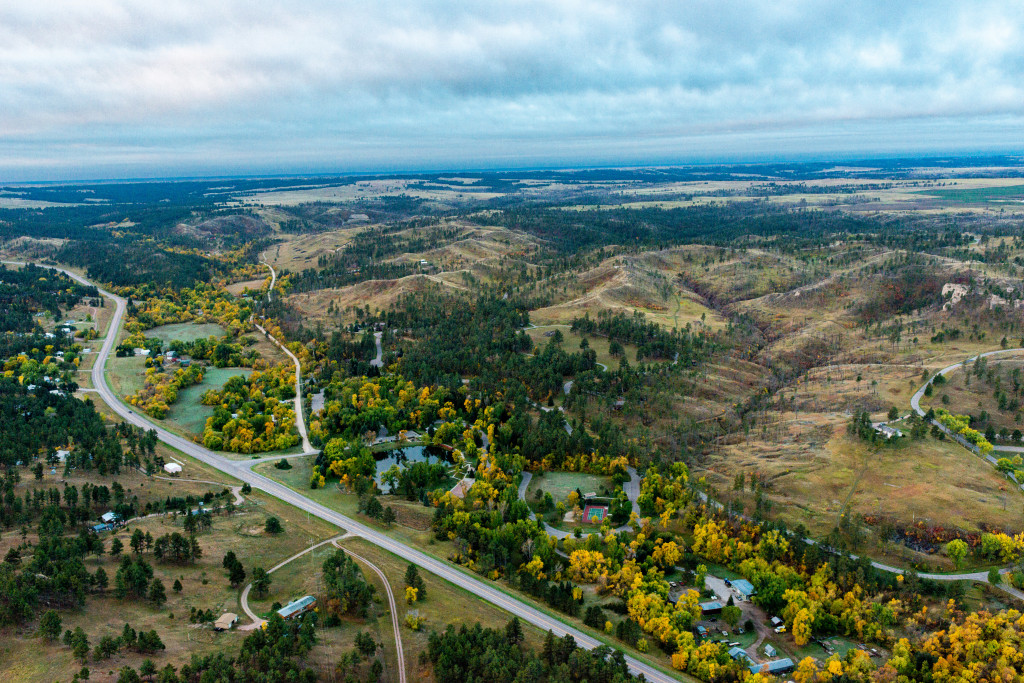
{"points": [[157, 594], [514, 631], [50, 624]]}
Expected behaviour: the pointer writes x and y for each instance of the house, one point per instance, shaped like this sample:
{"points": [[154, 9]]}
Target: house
{"points": [[769, 651], [711, 608], [774, 667], [740, 655], [776, 622], [109, 517], [744, 588], [141, 352], [99, 528], [62, 455], [172, 468], [297, 607], [225, 622], [887, 431]]}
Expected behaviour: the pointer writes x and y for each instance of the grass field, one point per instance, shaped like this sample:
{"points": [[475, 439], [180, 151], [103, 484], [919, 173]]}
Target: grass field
{"points": [[185, 332], [559, 484], [571, 343], [188, 413], [816, 473], [978, 194], [125, 375]]}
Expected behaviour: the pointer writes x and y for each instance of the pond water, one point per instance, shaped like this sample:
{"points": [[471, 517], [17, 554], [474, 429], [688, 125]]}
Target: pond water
{"points": [[404, 457]]}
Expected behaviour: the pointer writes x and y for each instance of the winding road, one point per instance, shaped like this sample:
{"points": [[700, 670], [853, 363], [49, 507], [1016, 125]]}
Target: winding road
{"points": [[394, 610], [242, 470]]}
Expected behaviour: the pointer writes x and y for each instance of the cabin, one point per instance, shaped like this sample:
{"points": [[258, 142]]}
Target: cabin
{"points": [[109, 517], [225, 622], [710, 608], [297, 608]]}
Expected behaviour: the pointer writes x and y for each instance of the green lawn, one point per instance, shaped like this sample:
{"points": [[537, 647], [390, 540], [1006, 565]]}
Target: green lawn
{"points": [[125, 374], [186, 332], [188, 413], [559, 484]]}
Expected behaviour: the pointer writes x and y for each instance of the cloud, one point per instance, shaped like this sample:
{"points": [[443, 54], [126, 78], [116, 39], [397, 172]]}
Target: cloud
{"points": [[113, 86]]}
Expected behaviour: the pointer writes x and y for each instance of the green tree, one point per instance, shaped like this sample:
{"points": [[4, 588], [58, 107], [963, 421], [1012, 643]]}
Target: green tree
{"points": [[731, 615], [273, 526], [956, 550], [50, 625], [177, 586], [514, 631], [116, 547], [157, 593], [260, 581], [388, 516], [365, 644], [236, 574]]}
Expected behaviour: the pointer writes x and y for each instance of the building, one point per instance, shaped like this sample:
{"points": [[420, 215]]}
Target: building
{"points": [[744, 588], [225, 622], [740, 655], [711, 608], [887, 431], [100, 528], [769, 651], [774, 667], [702, 632], [776, 622], [172, 468], [109, 517], [297, 607]]}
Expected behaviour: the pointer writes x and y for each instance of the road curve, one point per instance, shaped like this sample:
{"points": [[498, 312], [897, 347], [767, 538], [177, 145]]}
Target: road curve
{"points": [[242, 470], [244, 599], [915, 399], [391, 602], [378, 362], [300, 417]]}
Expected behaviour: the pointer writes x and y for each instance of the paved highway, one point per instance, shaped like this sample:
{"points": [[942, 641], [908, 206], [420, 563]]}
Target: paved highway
{"points": [[242, 470]]}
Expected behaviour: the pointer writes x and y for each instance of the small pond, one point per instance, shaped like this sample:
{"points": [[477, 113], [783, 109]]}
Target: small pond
{"points": [[404, 457]]}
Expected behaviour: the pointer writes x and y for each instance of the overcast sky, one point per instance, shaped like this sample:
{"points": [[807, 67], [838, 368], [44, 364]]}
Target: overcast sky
{"points": [[102, 88]]}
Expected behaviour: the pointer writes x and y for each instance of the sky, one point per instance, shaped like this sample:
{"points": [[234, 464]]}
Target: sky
{"points": [[116, 89]]}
